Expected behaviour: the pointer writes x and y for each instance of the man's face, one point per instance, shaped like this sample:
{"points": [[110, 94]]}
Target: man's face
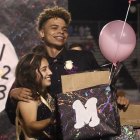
{"points": [[55, 32]]}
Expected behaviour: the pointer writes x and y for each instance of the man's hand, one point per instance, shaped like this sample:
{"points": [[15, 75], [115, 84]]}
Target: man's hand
{"points": [[21, 94], [122, 101]]}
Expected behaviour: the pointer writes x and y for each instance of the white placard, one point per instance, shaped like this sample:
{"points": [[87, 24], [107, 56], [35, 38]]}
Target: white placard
{"points": [[8, 62]]}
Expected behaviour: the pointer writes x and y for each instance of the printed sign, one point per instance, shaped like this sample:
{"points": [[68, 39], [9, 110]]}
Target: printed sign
{"points": [[8, 62]]}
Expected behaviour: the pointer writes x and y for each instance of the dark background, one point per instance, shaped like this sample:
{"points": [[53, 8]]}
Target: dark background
{"points": [[97, 13], [101, 9]]}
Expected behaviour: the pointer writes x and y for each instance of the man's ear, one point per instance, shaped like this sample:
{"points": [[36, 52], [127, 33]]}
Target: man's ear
{"points": [[41, 33]]}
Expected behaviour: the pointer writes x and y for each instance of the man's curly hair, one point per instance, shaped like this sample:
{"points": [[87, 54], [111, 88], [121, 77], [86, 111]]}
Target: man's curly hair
{"points": [[53, 12]]}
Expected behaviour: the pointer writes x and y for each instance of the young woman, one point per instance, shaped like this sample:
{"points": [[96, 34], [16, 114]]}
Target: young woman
{"points": [[34, 119]]}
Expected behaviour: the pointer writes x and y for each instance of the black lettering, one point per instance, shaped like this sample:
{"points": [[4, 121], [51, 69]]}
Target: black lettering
{"points": [[2, 91], [5, 74], [2, 51]]}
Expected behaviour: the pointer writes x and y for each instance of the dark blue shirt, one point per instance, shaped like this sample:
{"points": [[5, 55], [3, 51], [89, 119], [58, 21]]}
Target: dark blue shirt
{"points": [[82, 61]]}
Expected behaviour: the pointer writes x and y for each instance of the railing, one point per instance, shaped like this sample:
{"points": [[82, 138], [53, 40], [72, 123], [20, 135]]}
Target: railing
{"points": [[88, 32], [82, 28]]}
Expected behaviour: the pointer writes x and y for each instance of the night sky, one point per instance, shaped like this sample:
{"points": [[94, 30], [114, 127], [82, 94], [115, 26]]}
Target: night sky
{"points": [[101, 9]]}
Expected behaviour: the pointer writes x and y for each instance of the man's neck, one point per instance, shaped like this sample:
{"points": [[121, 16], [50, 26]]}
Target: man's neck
{"points": [[53, 52]]}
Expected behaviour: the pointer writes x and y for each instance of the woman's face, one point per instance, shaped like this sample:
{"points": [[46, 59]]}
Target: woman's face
{"points": [[45, 72]]}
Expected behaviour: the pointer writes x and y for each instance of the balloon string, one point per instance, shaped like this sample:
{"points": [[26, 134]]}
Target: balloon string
{"points": [[123, 28], [106, 65], [111, 71], [125, 20]]}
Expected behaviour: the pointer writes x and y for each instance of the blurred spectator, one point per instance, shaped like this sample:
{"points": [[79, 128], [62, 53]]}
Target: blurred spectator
{"points": [[70, 30], [76, 46], [87, 32], [81, 31], [75, 31]]}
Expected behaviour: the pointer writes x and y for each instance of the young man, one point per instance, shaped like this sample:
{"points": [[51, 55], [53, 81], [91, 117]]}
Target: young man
{"points": [[52, 25]]}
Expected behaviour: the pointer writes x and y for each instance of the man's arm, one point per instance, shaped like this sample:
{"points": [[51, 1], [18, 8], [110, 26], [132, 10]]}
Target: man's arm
{"points": [[21, 94]]}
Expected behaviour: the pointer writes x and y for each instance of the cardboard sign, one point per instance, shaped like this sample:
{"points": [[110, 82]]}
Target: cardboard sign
{"points": [[131, 116], [88, 113], [79, 81]]}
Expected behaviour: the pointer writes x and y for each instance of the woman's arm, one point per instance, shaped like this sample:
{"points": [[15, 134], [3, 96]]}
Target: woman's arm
{"points": [[28, 112], [15, 94]]}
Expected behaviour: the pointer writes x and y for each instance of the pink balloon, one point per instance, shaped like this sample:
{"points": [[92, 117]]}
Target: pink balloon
{"points": [[117, 41]]}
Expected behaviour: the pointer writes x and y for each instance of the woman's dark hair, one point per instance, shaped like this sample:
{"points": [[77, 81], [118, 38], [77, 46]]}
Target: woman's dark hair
{"points": [[40, 49], [26, 72]]}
